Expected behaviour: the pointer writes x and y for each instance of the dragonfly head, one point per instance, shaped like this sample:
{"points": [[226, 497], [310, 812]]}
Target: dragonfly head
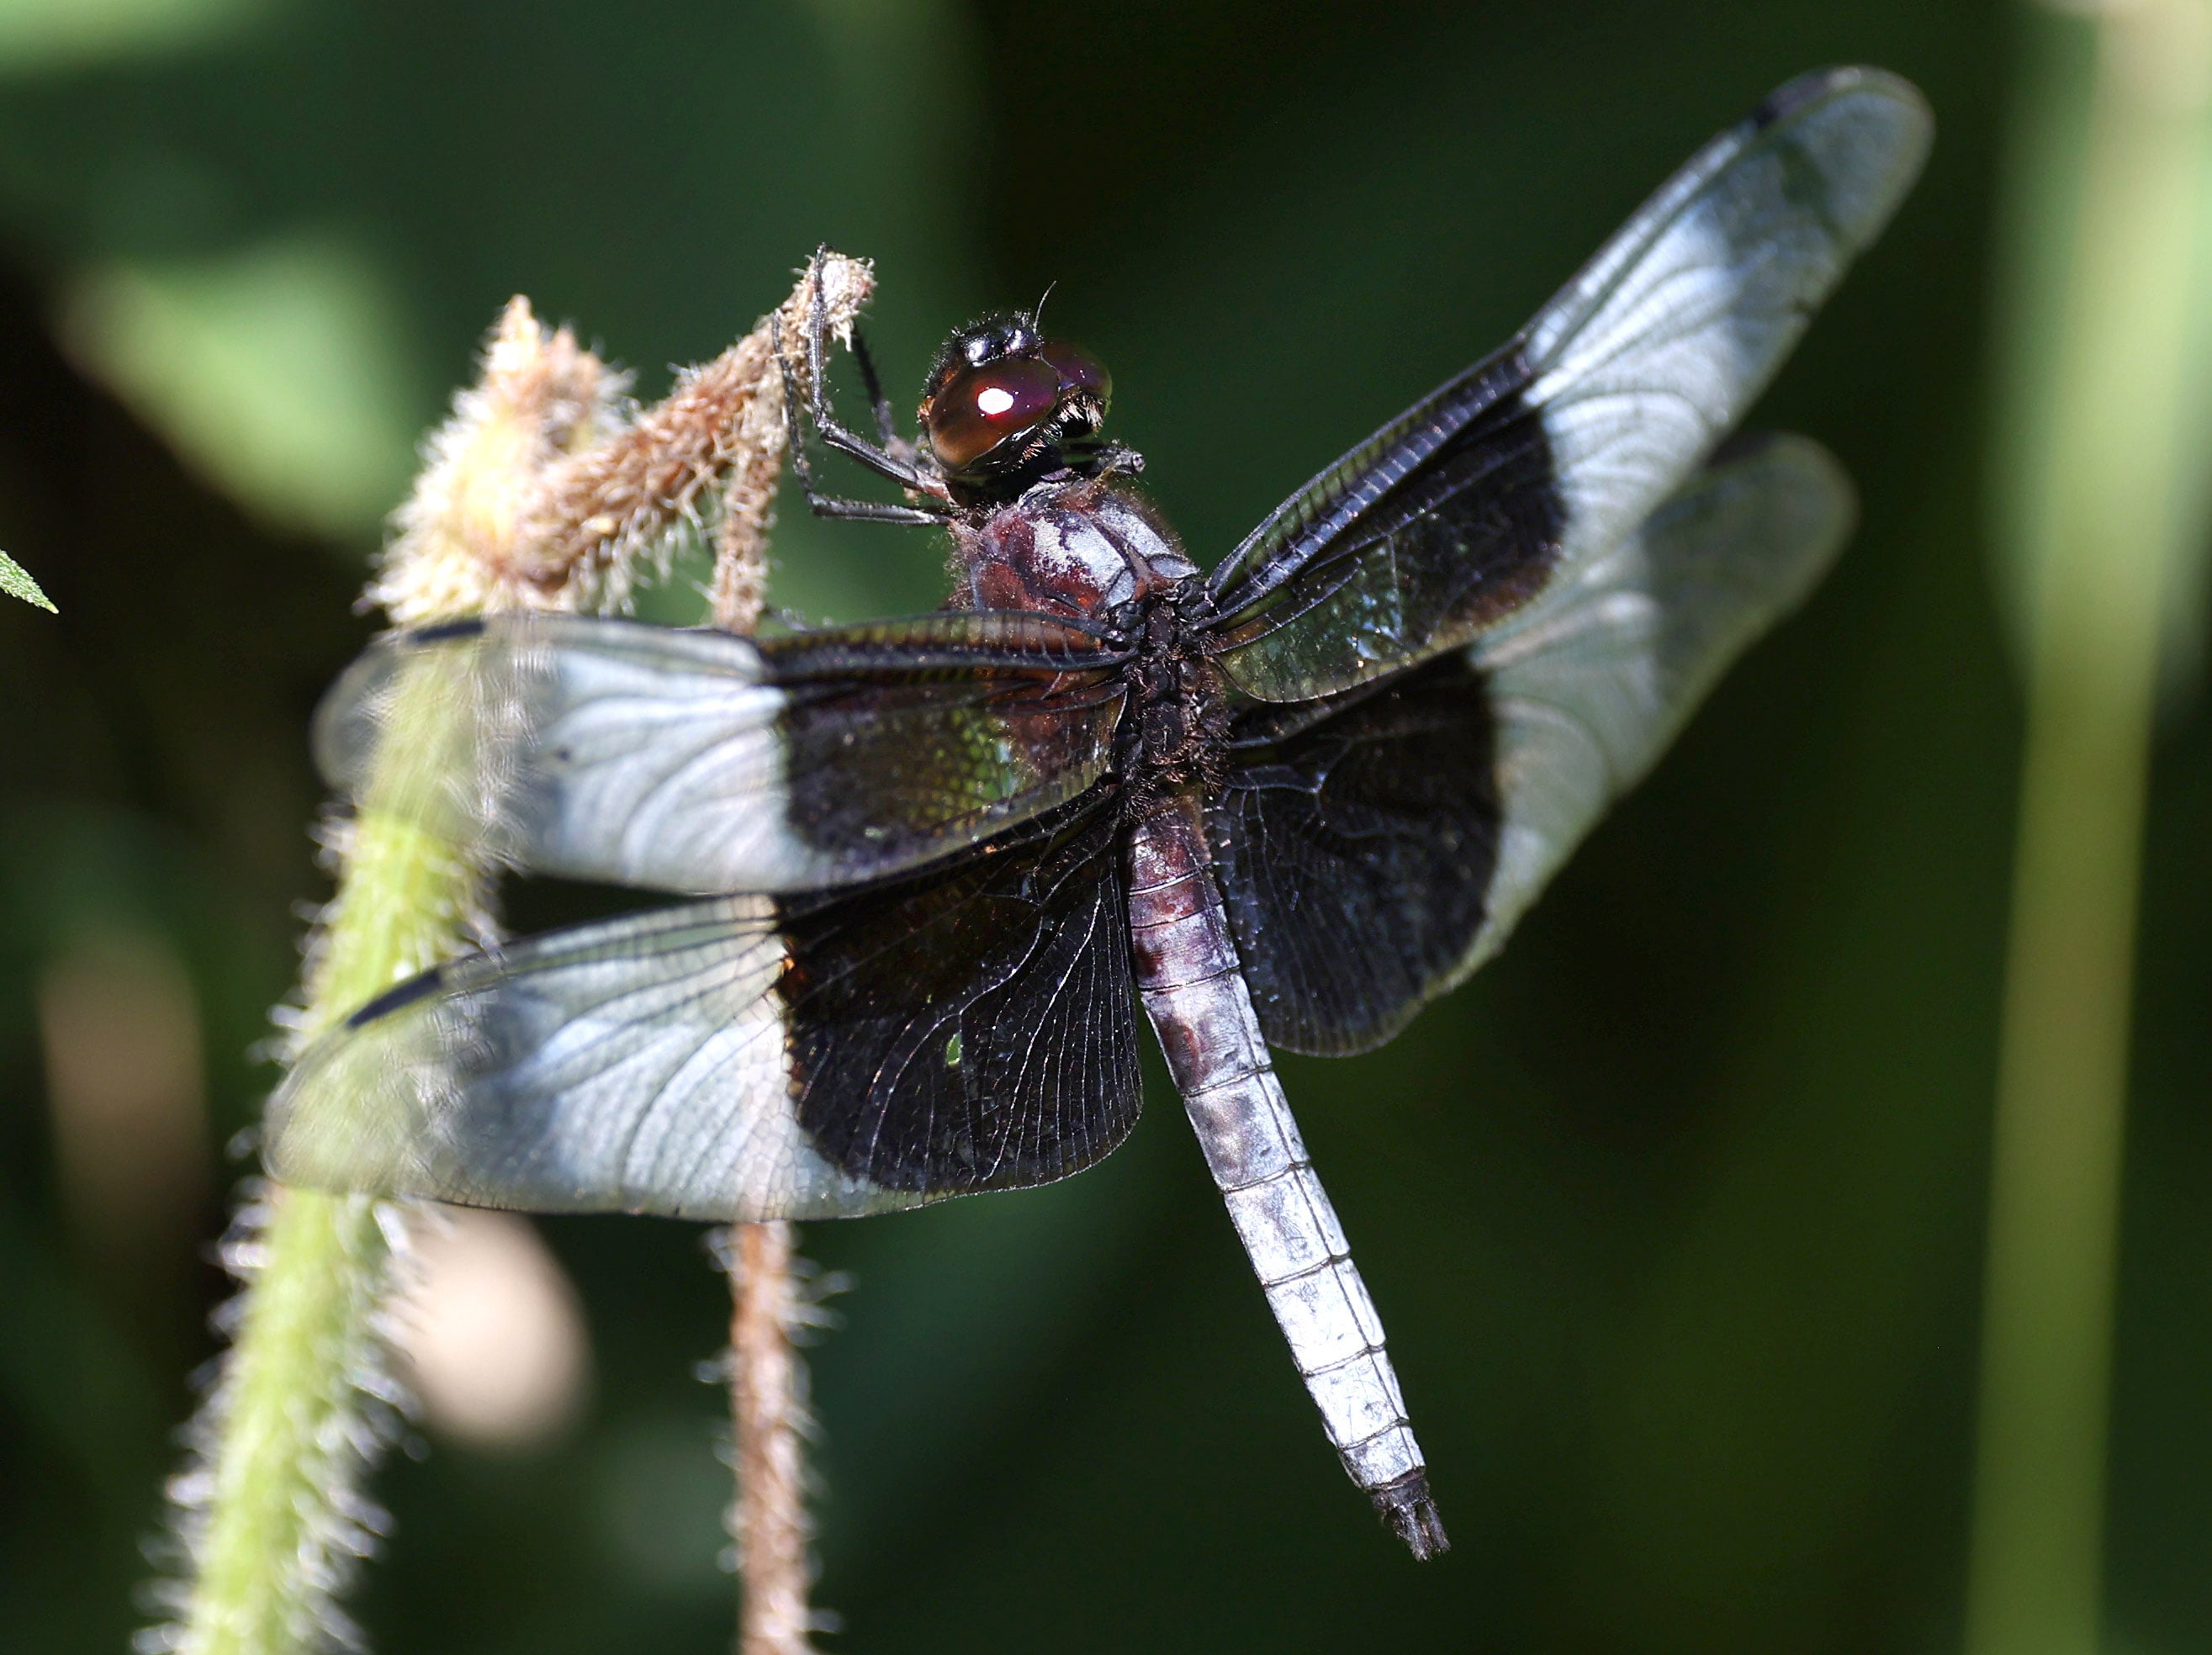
{"points": [[1005, 405]]}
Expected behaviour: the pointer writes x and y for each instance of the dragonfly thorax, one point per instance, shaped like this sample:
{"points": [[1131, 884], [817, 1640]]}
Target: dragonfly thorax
{"points": [[1081, 548], [1176, 729]]}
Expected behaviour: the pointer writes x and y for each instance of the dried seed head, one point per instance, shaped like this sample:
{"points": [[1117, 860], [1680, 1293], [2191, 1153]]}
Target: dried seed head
{"points": [[544, 492], [463, 544]]}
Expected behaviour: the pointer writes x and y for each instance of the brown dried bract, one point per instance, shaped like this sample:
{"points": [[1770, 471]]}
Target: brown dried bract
{"points": [[543, 491]]}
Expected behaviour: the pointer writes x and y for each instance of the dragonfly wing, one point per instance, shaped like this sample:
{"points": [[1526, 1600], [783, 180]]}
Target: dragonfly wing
{"points": [[970, 1028], [1374, 854], [702, 762], [1511, 478], [1355, 853]]}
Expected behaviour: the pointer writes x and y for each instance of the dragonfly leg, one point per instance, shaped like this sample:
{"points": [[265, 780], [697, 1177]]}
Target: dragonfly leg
{"points": [[802, 465], [810, 404]]}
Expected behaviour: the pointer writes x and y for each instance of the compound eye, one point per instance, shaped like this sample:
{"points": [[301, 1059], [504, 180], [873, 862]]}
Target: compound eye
{"points": [[1079, 371], [977, 409]]}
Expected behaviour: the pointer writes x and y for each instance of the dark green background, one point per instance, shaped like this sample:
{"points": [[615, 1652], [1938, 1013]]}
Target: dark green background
{"points": [[1674, 1214]]}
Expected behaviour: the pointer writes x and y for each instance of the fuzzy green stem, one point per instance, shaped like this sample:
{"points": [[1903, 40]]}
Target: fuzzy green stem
{"points": [[275, 1517], [290, 1427], [269, 1511]]}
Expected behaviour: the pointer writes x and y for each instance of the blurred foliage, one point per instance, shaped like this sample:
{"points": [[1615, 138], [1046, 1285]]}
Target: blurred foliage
{"points": [[2104, 390], [1674, 1214]]}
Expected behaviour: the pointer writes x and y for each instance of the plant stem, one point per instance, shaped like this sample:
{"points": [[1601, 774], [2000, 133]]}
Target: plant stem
{"points": [[288, 1436], [768, 1407], [769, 1415], [537, 495], [2100, 530], [273, 1518]]}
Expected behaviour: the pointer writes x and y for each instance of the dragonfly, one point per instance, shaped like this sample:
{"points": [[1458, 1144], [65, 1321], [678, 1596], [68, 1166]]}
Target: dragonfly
{"points": [[933, 868]]}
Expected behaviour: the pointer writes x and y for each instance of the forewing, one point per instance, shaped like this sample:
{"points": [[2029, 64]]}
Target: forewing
{"points": [[698, 761], [1532, 464], [969, 1029], [1377, 854]]}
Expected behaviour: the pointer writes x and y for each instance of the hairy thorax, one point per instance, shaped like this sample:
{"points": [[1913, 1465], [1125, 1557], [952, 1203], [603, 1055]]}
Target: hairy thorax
{"points": [[1096, 552], [1084, 549]]}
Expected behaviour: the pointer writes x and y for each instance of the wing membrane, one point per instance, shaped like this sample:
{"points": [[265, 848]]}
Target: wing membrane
{"points": [[969, 1029], [697, 761], [1512, 476], [1355, 853], [1378, 853], [1589, 686]]}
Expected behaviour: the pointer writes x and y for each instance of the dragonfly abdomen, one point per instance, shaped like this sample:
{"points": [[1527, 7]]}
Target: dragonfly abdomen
{"points": [[1188, 975]]}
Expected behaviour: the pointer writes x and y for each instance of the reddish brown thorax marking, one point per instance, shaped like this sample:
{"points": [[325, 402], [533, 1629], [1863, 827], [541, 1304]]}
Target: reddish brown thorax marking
{"points": [[1081, 549]]}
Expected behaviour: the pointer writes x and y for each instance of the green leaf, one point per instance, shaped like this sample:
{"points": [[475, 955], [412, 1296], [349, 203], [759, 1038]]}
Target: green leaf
{"points": [[16, 582]]}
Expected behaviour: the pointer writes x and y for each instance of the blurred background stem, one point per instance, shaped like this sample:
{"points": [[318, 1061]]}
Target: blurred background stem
{"points": [[2104, 512]]}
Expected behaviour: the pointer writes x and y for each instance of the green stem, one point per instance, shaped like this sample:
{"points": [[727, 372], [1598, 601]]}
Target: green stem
{"points": [[274, 1515], [291, 1438], [270, 1512], [2098, 528]]}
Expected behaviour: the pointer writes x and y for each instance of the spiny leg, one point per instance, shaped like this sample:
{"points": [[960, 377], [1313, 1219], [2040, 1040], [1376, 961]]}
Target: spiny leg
{"points": [[904, 473], [817, 409], [886, 425]]}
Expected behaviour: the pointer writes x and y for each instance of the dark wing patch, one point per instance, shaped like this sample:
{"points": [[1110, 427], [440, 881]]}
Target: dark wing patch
{"points": [[1543, 457], [1373, 849], [1355, 854], [967, 1029], [697, 761], [974, 1029], [1461, 521]]}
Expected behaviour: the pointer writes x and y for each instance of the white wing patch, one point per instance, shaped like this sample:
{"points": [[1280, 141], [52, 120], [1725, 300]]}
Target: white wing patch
{"points": [[1653, 354], [630, 755], [1591, 682], [635, 1066], [689, 761]]}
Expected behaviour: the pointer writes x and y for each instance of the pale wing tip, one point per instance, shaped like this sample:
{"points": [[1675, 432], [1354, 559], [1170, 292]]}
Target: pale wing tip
{"points": [[1845, 80], [343, 731], [353, 720], [348, 1117], [1874, 130], [1815, 506], [310, 1139]]}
